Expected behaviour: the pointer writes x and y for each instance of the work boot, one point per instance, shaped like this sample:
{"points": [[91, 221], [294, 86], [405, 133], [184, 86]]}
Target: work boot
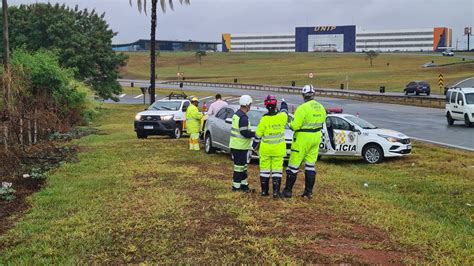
{"points": [[309, 180], [264, 181], [276, 187], [247, 189], [290, 182]]}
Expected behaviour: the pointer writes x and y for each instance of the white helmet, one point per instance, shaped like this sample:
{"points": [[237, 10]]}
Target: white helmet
{"points": [[245, 100], [308, 89]]}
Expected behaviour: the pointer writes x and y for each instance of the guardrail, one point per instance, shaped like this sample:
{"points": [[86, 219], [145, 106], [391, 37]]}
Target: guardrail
{"points": [[436, 102]]}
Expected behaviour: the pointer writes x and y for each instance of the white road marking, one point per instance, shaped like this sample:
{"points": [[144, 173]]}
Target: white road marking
{"points": [[233, 99], [122, 95], [462, 81], [444, 144], [206, 98], [138, 96]]}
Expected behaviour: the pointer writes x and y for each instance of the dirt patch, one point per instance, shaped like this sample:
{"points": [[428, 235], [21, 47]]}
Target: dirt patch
{"points": [[27, 169]]}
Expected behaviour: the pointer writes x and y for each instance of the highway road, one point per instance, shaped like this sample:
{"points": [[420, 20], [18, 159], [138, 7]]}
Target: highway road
{"points": [[425, 124]]}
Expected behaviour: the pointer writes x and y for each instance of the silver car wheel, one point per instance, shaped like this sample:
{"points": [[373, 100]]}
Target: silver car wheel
{"points": [[372, 155]]}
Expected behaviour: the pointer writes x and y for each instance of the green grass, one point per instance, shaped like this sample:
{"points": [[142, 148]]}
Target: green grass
{"points": [[130, 201], [281, 68]]}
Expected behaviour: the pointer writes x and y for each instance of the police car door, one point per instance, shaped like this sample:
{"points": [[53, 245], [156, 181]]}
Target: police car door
{"points": [[325, 147], [344, 139]]}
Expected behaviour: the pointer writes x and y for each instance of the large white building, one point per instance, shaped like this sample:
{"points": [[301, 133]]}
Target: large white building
{"points": [[275, 42], [340, 39], [428, 39]]}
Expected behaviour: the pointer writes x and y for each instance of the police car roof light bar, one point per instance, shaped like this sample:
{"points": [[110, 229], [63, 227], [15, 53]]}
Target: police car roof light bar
{"points": [[336, 110]]}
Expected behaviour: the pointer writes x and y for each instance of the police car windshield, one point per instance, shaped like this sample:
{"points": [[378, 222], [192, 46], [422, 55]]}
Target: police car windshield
{"points": [[360, 122], [256, 115], [165, 105], [469, 98]]}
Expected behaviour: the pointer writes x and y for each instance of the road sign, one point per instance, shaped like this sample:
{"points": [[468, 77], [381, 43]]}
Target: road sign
{"points": [[311, 75], [440, 80]]}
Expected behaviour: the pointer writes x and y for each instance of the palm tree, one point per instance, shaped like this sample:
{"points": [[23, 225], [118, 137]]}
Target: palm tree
{"points": [[142, 6]]}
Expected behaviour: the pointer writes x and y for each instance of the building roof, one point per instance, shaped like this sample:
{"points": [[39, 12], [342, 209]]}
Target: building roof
{"points": [[146, 40]]}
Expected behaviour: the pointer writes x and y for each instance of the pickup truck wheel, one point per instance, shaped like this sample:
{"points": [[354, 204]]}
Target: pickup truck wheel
{"points": [[373, 154], [177, 132], [208, 144], [466, 121], [449, 119], [141, 135]]}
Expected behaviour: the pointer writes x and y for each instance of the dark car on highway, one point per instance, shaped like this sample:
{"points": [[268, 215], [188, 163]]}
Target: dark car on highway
{"points": [[417, 87]]}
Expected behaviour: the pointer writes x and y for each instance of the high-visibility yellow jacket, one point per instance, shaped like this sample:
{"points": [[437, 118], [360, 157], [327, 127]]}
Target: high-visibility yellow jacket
{"points": [[271, 134], [193, 119], [309, 117]]}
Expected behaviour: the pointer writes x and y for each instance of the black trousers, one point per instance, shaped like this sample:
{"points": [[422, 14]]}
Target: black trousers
{"points": [[240, 168]]}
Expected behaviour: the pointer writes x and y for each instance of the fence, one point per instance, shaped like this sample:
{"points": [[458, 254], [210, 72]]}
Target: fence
{"points": [[432, 101]]}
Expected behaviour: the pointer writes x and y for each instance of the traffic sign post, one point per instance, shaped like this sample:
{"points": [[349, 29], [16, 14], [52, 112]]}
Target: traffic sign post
{"points": [[440, 82]]}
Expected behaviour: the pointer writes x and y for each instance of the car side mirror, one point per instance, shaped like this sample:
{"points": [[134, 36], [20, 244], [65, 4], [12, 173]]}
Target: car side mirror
{"points": [[145, 109], [228, 120], [185, 108]]}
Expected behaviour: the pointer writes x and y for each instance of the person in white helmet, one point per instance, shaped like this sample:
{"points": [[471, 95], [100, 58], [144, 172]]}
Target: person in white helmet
{"points": [[307, 124], [240, 144]]}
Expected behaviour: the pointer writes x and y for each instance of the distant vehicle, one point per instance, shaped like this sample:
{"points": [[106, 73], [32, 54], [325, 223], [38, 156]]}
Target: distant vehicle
{"points": [[417, 87], [460, 106], [343, 135], [163, 117], [447, 53]]}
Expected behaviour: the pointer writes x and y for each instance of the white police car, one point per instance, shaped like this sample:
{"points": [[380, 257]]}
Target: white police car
{"points": [[349, 135]]}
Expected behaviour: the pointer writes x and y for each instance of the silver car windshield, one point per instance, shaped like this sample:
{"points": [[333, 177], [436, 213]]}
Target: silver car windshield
{"points": [[256, 115], [360, 122], [165, 106]]}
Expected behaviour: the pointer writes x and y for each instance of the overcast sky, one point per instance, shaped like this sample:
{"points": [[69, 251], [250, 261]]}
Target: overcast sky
{"points": [[206, 20]]}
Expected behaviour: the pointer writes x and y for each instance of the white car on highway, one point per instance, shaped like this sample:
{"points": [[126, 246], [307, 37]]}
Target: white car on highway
{"points": [[343, 135], [460, 106]]}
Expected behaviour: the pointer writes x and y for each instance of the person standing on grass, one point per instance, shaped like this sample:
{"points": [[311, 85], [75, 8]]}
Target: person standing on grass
{"points": [[240, 144], [307, 124], [270, 136], [193, 123], [216, 105]]}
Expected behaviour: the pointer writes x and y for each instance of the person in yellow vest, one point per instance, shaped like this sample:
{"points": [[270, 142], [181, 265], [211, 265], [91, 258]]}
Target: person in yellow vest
{"points": [[193, 123], [307, 125], [240, 144], [270, 136]]}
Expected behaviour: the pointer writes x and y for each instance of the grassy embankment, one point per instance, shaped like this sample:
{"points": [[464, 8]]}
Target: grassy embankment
{"points": [[282, 68], [129, 200]]}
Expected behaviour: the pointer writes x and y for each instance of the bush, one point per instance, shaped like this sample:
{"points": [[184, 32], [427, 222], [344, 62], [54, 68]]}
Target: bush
{"points": [[82, 38], [45, 80]]}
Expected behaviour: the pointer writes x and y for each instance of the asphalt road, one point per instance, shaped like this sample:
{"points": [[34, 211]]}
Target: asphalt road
{"points": [[426, 124]]}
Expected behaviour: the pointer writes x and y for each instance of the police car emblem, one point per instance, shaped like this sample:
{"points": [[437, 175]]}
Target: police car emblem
{"points": [[351, 136]]}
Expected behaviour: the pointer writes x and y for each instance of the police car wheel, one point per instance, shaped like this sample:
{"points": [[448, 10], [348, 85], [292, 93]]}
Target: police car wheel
{"points": [[208, 144], [373, 154], [177, 132], [141, 135]]}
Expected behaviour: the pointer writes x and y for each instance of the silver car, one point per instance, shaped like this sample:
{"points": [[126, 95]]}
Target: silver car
{"points": [[218, 127]]}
